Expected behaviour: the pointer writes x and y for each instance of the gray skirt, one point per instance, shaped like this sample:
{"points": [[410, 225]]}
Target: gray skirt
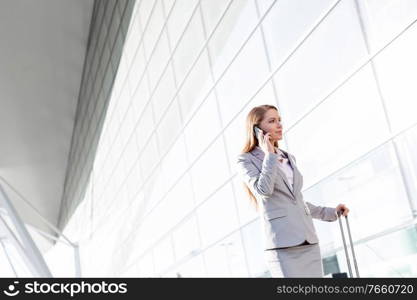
{"points": [[298, 261]]}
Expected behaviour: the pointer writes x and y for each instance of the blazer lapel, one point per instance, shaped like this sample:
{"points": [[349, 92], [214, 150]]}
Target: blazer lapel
{"points": [[259, 154], [296, 178]]}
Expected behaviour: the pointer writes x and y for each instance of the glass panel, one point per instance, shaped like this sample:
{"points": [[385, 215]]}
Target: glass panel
{"points": [[227, 258], [158, 61], [168, 5], [152, 228], [253, 242], [206, 175], [145, 126], [217, 216], [196, 86], [171, 210], [300, 16], [134, 179], [164, 93], [181, 14], [265, 96], [407, 148], [246, 210], [368, 187], [203, 127], [375, 259], [10, 255], [174, 163], [60, 258], [235, 133], [189, 47], [149, 157], [233, 30], [144, 10], [137, 67], [212, 11], [235, 136], [164, 255], [168, 127], [146, 266], [243, 78], [384, 19], [346, 125], [194, 267], [326, 57], [139, 100], [186, 238], [153, 29], [396, 68], [180, 201]]}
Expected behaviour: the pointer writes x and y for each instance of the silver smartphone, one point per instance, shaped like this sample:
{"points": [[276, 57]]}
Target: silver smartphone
{"points": [[258, 132]]}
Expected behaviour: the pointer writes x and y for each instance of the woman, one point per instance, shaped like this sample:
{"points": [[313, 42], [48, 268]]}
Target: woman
{"points": [[274, 183]]}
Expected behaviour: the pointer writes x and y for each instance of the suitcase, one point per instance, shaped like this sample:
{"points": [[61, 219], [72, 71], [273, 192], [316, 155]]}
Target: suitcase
{"points": [[345, 247]]}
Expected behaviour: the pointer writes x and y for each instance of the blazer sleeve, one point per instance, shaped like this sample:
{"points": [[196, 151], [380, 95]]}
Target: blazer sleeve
{"points": [[322, 212], [259, 182]]}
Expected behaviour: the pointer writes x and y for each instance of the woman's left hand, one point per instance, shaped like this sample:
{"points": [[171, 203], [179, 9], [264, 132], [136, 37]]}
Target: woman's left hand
{"points": [[343, 209]]}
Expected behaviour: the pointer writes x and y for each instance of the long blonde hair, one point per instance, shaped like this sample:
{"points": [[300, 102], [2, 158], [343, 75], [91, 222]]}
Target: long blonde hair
{"points": [[254, 117]]}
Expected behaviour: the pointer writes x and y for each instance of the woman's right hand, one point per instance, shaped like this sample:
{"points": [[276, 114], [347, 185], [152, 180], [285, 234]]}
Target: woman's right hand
{"points": [[265, 143]]}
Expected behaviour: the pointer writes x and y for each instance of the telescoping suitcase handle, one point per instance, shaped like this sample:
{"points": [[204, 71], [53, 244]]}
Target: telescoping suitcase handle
{"points": [[351, 244]]}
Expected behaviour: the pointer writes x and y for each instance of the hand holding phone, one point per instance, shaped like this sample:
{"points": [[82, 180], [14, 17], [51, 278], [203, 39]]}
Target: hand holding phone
{"points": [[264, 140]]}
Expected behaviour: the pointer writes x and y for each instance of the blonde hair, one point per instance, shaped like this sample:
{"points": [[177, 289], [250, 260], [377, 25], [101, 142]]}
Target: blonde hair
{"points": [[254, 117]]}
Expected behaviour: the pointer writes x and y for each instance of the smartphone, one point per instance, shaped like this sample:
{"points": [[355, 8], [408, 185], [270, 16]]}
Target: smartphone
{"points": [[257, 132]]}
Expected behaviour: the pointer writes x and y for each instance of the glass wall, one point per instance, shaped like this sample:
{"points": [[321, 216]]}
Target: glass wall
{"points": [[164, 198]]}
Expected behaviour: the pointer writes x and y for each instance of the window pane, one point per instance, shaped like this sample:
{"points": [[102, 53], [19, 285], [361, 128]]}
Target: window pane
{"points": [[153, 29], [217, 216], [300, 16], [396, 67], [180, 15], [253, 241], [244, 77], [235, 135], [246, 210], [226, 258], [174, 163], [146, 266], [372, 188], [326, 57], [177, 204], [347, 124], [164, 254], [384, 19], [207, 176], [158, 61], [149, 157], [407, 148], [186, 239], [212, 11], [203, 127], [189, 47], [194, 267], [233, 30], [169, 127], [164, 93], [375, 259], [196, 86]]}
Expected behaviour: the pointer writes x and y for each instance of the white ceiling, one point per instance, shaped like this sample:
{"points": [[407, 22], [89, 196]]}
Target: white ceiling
{"points": [[42, 49]]}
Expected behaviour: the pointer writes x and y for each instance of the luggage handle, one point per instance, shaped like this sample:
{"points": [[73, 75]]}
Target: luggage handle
{"points": [[351, 244]]}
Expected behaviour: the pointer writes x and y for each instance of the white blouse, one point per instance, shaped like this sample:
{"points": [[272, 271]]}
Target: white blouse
{"points": [[285, 166]]}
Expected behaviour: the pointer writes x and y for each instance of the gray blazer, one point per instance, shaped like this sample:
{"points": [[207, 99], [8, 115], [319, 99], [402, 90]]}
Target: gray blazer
{"points": [[285, 216]]}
